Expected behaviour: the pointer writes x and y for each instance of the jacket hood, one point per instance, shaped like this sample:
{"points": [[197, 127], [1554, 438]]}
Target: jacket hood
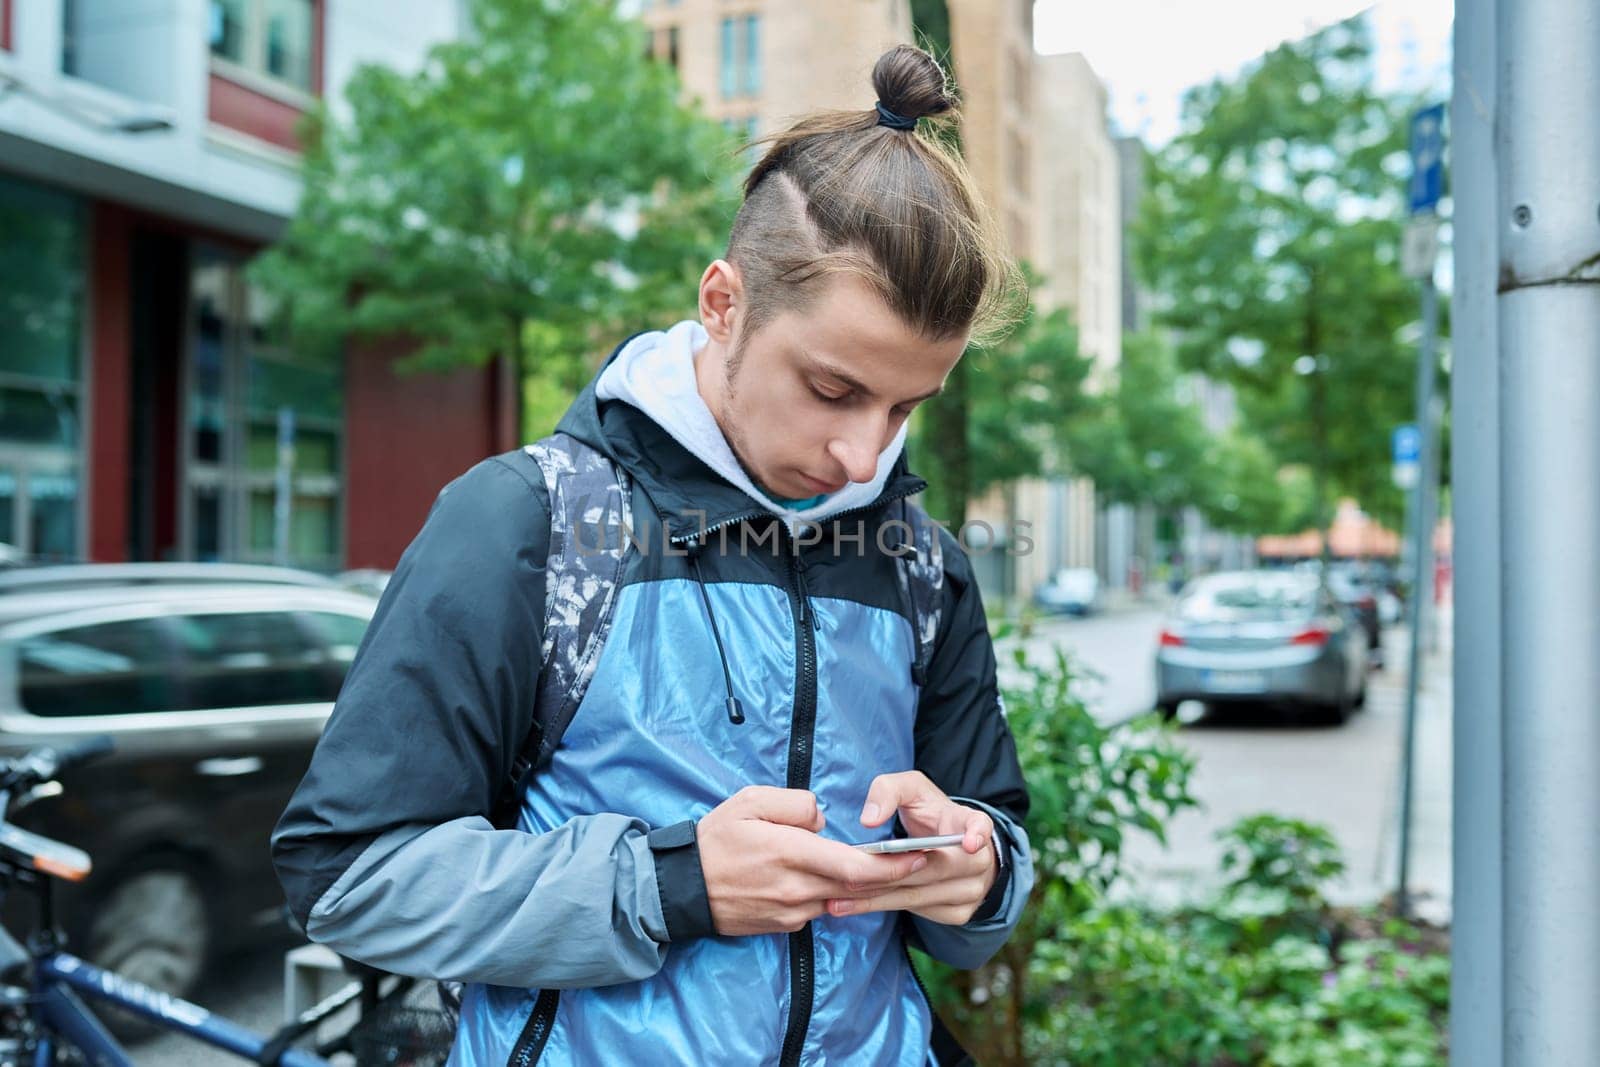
{"points": [[643, 410]]}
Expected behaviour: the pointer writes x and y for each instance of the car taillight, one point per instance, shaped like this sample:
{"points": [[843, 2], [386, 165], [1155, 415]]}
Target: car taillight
{"points": [[1169, 639], [1314, 636]]}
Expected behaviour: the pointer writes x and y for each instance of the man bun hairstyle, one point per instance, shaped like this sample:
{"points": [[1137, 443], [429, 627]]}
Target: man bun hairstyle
{"points": [[878, 195]]}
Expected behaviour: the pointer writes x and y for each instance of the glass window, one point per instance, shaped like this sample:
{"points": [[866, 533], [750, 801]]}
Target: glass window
{"points": [[269, 37], [228, 28], [741, 56], [341, 634], [752, 55], [69, 36], [242, 376], [112, 668], [289, 41], [41, 282], [730, 60], [53, 520], [249, 659], [47, 416], [8, 506]]}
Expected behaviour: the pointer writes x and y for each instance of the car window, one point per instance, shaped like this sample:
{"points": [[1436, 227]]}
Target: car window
{"points": [[340, 634], [110, 668], [249, 658], [1249, 601]]}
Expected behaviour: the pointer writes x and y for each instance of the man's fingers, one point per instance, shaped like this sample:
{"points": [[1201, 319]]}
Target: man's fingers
{"points": [[976, 831], [790, 807], [946, 893], [851, 869], [890, 792]]}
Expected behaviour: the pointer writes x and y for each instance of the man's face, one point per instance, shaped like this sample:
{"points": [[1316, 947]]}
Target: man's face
{"points": [[809, 401]]}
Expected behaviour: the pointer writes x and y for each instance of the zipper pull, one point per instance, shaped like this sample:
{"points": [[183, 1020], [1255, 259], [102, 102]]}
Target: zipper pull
{"points": [[800, 585]]}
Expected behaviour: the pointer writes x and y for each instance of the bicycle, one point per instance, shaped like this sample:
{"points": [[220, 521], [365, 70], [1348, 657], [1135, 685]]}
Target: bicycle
{"points": [[45, 1020]]}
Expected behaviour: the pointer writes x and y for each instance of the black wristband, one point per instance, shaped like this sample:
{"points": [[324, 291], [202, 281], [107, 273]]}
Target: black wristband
{"points": [[995, 899], [680, 882]]}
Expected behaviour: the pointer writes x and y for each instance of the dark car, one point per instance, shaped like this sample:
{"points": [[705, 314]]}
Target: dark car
{"points": [[214, 693]]}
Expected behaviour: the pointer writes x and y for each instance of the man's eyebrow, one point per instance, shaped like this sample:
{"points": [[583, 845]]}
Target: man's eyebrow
{"points": [[846, 379]]}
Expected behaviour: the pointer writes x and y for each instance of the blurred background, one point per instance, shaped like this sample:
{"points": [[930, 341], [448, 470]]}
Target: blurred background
{"points": [[272, 272]]}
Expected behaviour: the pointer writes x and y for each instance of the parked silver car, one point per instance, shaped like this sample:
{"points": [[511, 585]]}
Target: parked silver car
{"points": [[1261, 636]]}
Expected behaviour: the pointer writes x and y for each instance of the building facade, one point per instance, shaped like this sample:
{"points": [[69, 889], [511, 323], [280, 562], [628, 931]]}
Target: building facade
{"points": [[147, 409], [754, 63]]}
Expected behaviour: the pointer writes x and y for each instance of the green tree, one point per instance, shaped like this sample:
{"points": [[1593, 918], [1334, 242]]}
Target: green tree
{"points": [[533, 191], [1145, 442], [1019, 399], [1271, 230]]}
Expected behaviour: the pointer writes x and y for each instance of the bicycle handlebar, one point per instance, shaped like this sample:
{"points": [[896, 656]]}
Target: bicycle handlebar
{"points": [[47, 761]]}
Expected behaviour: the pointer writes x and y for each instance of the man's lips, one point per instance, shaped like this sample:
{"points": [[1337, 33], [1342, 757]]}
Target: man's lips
{"points": [[819, 486]]}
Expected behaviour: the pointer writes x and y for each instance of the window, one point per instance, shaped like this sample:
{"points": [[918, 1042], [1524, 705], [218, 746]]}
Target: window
{"points": [[752, 55], [341, 634], [266, 37], [741, 56], [69, 37], [112, 668], [249, 659], [672, 46], [264, 431], [42, 276]]}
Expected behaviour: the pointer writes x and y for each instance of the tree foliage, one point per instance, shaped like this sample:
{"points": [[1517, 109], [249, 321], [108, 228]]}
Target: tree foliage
{"points": [[1020, 398], [535, 182], [1271, 232]]}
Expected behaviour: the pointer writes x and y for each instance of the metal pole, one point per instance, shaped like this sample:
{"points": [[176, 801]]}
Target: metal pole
{"points": [[1476, 1033], [1548, 213], [1425, 508]]}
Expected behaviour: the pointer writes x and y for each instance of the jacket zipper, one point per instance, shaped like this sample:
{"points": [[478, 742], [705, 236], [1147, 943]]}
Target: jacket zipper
{"points": [[801, 733], [802, 728], [536, 1031]]}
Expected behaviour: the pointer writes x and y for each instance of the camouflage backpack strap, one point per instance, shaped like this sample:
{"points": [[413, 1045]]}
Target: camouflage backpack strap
{"points": [[590, 522], [921, 574]]}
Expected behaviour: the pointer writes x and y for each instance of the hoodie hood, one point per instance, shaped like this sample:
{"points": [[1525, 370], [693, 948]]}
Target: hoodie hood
{"points": [[644, 410]]}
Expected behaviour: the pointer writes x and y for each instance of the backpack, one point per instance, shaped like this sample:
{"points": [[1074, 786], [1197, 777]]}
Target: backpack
{"points": [[582, 578]]}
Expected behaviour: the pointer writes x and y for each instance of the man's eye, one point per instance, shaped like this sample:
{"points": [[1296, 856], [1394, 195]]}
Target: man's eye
{"points": [[828, 399]]}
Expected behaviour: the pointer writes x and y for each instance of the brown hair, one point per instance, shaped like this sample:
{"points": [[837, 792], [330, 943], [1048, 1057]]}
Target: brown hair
{"points": [[837, 192]]}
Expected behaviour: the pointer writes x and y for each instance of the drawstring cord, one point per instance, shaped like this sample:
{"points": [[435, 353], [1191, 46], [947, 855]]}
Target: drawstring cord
{"points": [[735, 709]]}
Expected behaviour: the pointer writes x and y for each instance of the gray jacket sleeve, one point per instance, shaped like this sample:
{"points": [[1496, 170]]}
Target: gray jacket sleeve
{"points": [[385, 853], [965, 748]]}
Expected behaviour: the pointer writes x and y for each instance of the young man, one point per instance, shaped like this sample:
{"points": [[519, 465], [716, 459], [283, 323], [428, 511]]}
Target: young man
{"points": [[767, 679]]}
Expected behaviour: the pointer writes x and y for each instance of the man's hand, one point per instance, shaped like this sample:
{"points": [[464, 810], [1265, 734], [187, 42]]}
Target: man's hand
{"points": [[955, 881], [767, 870]]}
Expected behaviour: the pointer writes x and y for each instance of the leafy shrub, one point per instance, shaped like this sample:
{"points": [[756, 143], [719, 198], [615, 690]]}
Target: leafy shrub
{"points": [[1265, 975]]}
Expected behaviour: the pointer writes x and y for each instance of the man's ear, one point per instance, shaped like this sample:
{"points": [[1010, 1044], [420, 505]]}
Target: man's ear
{"points": [[721, 301]]}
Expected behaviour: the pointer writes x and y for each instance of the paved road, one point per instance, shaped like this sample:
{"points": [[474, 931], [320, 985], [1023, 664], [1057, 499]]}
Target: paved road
{"points": [[1345, 777]]}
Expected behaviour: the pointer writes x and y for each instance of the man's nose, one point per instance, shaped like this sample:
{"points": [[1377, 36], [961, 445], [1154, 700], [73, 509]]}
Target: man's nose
{"points": [[858, 453]]}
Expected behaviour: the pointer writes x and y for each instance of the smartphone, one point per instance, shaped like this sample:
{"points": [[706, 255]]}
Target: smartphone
{"points": [[911, 844]]}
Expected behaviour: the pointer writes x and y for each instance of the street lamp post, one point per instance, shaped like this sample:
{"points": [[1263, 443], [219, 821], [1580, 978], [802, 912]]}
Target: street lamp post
{"points": [[1547, 214]]}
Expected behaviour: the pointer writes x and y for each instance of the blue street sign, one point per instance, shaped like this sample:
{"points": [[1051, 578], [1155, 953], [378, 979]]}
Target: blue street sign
{"points": [[1427, 159], [1407, 444]]}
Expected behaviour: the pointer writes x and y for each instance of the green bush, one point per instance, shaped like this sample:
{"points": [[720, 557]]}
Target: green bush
{"points": [[1265, 975]]}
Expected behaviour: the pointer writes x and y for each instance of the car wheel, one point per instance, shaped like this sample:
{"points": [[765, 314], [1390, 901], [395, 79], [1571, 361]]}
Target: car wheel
{"points": [[1360, 700], [151, 925], [1337, 713], [1168, 710]]}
